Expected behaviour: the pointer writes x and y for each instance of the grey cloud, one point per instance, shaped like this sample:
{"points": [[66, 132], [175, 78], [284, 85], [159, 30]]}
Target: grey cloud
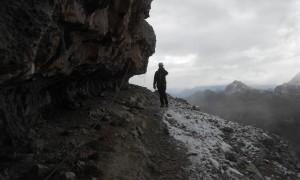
{"points": [[258, 37], [196, 26]]}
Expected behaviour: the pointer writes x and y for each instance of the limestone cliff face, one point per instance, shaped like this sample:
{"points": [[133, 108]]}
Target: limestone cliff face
{"points": [[66, 37], [53, 51]]}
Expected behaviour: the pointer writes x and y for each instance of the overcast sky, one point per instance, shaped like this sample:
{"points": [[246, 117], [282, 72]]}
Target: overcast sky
{"points": [[214, 42]]}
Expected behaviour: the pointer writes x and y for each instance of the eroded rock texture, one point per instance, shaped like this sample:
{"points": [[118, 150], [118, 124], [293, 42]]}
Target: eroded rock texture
{"points": [[53, 51]]}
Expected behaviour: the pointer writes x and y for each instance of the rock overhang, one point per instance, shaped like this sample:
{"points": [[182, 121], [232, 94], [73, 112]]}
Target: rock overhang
{"points": [[76, 37]]}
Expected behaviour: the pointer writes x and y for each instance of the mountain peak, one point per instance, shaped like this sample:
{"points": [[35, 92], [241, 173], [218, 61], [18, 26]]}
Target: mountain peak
{"points": [[236, 86], [295, 80], [290, 88]]}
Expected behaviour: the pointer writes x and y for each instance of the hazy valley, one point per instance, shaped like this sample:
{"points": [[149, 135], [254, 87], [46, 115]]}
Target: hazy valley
{"points": [[277, 110]]}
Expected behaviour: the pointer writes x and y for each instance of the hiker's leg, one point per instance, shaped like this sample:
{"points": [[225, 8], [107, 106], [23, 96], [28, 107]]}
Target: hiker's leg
{"points": [[164, 95], [160, 91], [166, 98]]}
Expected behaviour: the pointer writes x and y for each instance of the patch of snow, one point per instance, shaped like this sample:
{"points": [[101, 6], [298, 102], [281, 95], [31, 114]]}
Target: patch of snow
{"points": [[215, 163], [266, 136], [202, 134], [225, 147], [233, 173]]}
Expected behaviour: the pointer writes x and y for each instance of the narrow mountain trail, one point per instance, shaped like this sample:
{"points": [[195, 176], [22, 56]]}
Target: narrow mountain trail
{"points": [[134, 138], [129, 140]]}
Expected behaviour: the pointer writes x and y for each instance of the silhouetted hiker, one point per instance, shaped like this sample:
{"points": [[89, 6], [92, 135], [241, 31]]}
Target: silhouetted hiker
{"points": [[161, 84]]}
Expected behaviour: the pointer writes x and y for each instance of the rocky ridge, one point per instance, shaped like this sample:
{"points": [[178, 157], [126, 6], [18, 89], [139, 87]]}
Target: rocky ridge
{"points": [[287, 89], [136, 139], [221, 149]]}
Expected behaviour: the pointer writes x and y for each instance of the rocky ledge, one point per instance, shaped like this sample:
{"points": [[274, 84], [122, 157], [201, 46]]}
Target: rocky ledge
{"points": [[126, 139], [136, 139], [54, 52], [73, 37]]}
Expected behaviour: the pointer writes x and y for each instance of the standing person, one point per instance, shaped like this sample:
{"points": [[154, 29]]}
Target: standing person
{"points": [[161, 84]]}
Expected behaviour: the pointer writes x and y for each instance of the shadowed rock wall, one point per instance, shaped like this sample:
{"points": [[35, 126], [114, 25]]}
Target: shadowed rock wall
{"points": [[53, 51]]}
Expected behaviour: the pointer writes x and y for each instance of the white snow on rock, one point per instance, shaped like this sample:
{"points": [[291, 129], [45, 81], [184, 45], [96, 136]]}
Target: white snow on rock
{"points": [[220, 149], [215, 163], [234, 174], [224, 147]]}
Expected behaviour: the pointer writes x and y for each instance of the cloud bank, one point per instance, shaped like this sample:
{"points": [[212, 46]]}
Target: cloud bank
{"points": [[213, 42]]}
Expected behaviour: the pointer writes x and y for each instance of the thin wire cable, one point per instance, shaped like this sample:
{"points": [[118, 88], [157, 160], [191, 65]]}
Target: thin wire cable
{"points": [[80, 144]]}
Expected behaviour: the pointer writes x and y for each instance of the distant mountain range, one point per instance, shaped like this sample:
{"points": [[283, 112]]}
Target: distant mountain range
{"points": [[185, 93], [276, 110]]}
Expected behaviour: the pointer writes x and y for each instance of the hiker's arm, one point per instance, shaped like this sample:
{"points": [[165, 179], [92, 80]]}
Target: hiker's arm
{"points": [[155, 81]]}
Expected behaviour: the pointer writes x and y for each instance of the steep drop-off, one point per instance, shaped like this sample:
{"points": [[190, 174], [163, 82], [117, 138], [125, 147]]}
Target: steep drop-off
{"points": [[56, 51], [276, 111]]}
